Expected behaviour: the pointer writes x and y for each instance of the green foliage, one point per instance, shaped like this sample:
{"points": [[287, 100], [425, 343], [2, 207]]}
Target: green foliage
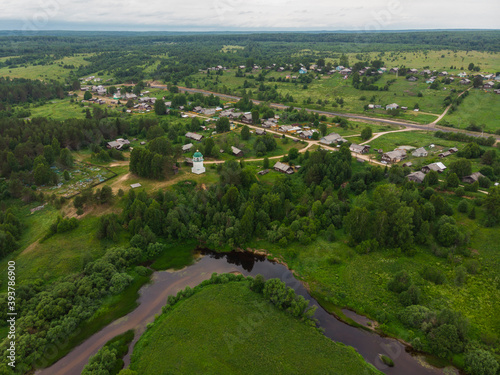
{"points": [[245, 133], [481, 362], [366, 133], [388, 361], [108, 227], [434, 275], [492, 205], [452, 180], [160, 107], [284, 298], [400, 283], [108, 360], [222, 125], [431, 178]]}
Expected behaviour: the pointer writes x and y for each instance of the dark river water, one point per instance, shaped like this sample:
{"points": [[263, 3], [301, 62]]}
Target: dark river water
{"points": [[164, 283]]}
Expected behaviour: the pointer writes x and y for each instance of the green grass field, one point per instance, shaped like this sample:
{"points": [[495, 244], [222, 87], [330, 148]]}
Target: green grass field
{"points": [[480, 108], [45, 72], [329, 88], [58, 109], [61, 254], [439, 60], [207, 334]]}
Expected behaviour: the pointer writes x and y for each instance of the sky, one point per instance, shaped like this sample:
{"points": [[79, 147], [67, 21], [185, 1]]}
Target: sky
{"points": [[243, 15]]}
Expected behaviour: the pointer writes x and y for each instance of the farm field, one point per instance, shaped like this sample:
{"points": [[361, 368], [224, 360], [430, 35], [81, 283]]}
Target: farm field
{"points": [[195, 337]]}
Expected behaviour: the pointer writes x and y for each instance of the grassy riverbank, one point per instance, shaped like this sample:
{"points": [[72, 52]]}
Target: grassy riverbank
{"points": [[227, 328]]}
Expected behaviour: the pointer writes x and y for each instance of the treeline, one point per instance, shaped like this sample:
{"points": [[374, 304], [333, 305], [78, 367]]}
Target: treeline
{"points": [[462, 137], [401, 218], [10, 231], [21, 90], [50, 314], [30, 148]]}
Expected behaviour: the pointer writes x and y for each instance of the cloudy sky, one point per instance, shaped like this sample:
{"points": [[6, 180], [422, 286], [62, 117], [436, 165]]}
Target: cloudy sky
{"points": [[221, 15]]}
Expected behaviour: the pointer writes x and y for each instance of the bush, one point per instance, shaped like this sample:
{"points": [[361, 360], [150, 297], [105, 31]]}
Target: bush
{"points": [[481, 362], [472, 266], [411, 296], [400, 282], [463, 206], [444, 340], [414, 315], [257, 283], [433, 275], [459, 191], [460, 276]]}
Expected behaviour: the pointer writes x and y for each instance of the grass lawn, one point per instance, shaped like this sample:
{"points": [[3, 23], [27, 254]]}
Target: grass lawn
{"points": [[209, 333], [480, 108]]}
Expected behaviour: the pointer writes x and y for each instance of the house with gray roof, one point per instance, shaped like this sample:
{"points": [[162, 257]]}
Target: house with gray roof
{"points": [[438, 167], [282, 167], [419, 152], [417, 177], [331, 138]]}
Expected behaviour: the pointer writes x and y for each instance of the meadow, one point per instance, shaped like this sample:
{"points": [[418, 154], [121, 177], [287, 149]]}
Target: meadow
{"points": [[200, 335], [54, 71], [435, 59], [330, 88], [480, 108]]}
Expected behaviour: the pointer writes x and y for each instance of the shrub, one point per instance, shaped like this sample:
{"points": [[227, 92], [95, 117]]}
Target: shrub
{"points": [[257, 283], [481, 362], [460, 191], [414, 315], [460, 276], [472, 266], [433, 275], [463, 206], [400, 282], [411, 296]]}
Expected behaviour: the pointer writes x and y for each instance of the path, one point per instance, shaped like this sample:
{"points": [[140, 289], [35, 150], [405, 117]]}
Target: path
{"points": [[446, 110], [376, 135]]}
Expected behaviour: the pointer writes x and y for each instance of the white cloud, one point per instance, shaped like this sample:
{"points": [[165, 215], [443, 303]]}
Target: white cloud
{"points": [[257, 14]]}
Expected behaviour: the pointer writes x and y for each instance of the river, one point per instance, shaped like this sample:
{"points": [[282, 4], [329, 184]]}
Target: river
{"points": [[164, 283]]}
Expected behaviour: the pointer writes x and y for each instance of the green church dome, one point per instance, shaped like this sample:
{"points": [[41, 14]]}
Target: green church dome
{"points": [[197, 154]]}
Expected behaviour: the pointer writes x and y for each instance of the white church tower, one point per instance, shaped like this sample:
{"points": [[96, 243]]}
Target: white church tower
{"points": [[198, 167]]}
